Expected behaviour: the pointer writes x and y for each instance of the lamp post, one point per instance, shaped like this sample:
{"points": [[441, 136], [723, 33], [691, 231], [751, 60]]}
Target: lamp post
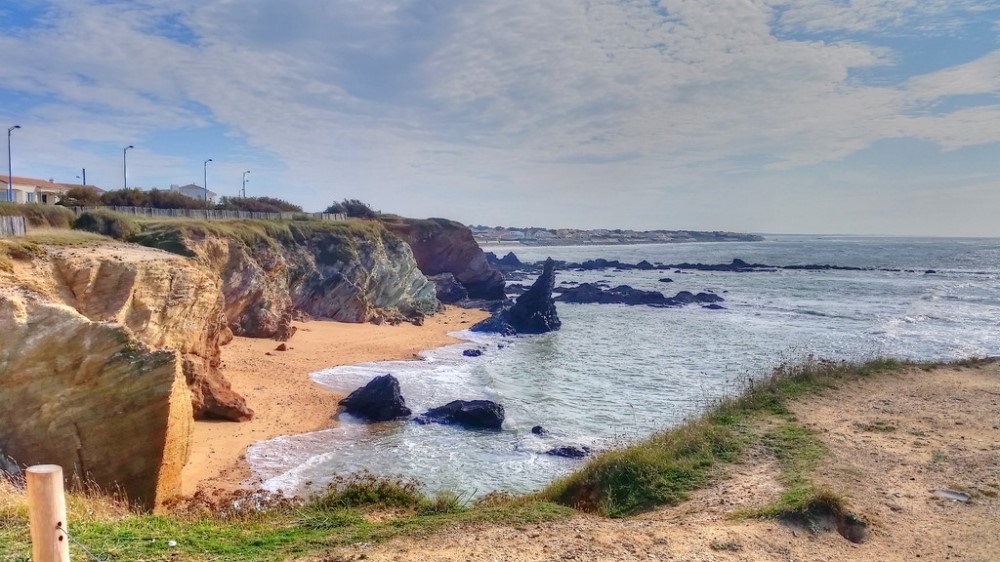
{"points": [[10, 173], [206, 186], [124, 167], [245, 183]]}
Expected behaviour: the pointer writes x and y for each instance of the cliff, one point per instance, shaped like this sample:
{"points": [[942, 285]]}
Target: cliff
{"points": [[89, 396], [445, 246], [354, 271]]}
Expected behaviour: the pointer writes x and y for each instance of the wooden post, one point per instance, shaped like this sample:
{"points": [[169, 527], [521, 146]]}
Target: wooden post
{"points": [[47, 514]]}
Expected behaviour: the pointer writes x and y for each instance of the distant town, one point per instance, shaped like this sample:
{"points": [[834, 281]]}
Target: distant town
{"points": [[534, 236]]}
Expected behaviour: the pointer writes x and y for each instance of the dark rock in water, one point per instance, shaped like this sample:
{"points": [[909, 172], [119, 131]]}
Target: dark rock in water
{"points": [[714, 306], [645, 265], [516, 289], [449, 290], [666, 280], [569, 451], [708, 297], [534, 312], [491, 259], [471, 414], [379, 400], [538, 430], [929, 272], [472, 352], [623, 294]]}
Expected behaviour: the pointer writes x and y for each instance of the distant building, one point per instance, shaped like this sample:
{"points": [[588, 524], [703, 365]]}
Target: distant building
{"points": [[31, 190], [194, 190]]}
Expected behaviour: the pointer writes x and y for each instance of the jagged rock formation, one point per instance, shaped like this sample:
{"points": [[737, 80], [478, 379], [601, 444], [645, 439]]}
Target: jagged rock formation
{"points": [[534, 312], [90, 396], [350, 272], [379, 400], [470, 414], [444, 246]]}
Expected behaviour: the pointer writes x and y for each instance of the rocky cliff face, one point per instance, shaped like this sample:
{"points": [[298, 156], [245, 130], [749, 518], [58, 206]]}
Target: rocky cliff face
{"points": [[444, 246], [350, 272], [90, 396]]}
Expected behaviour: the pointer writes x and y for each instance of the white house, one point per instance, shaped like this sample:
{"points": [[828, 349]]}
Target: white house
{"points": [[194, 190], [31, 190]]}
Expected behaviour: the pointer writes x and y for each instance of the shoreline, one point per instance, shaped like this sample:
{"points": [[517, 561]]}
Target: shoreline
{"points": [[277, 386]]}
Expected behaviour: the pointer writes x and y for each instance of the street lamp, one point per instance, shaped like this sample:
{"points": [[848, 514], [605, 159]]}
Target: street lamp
{"points": [[10, 173], [206, 183], [245, 183], [125, 166]]}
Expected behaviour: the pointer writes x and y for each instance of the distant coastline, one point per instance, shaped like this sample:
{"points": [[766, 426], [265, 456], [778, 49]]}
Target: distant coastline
{"points": [[486, 236]]}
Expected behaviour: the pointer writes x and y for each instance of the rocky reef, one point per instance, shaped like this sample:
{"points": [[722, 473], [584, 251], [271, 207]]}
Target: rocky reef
{"points": [[445, 246]]}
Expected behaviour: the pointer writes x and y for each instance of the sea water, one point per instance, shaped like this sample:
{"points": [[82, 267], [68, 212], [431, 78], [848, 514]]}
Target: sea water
{"points": [[617, 373]]}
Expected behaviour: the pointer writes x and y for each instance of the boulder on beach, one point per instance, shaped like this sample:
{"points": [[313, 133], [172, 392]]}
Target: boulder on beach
{"points": [[448, 289], [379, 400], [471, 414]]}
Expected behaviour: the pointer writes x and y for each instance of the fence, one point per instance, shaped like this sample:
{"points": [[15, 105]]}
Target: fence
{"points": [[207, 214], [12, 226]]}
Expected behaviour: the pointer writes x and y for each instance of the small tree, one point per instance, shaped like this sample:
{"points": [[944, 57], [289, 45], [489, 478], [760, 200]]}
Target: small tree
{"points": [[131, 197], [84, 196]]}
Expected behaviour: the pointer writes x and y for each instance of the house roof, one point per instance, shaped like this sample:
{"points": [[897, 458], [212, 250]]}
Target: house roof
{"points": [[195, 187], [42, 184]]}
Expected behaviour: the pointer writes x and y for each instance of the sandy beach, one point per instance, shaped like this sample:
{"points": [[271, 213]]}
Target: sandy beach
{"points": [[276, 385]]}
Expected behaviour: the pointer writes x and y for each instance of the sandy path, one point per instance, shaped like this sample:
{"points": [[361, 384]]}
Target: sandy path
{"points": [[276, 385], [946, 434]]}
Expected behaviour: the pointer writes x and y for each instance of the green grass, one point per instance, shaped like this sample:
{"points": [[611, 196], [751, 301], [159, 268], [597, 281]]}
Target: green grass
{"points": [[663, 469], [234, 529]]}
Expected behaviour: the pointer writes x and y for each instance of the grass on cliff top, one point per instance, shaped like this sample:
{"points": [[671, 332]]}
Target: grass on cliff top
{"points": [[256, 526], [337, 240], [38, 215], [665, 468]]}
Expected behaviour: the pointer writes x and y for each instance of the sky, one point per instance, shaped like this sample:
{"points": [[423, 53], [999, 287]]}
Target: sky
{"points": [[798, 116]]}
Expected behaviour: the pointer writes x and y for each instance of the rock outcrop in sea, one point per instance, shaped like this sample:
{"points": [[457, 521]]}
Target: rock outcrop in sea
{"points": [[587, 293], [534, 312], [379, 400]]}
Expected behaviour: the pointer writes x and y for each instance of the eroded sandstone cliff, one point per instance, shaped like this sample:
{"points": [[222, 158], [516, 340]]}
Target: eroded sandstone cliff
{"points": [[89, 396]]}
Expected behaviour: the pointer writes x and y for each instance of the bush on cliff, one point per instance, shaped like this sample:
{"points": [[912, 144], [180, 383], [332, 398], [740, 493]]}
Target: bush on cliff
{"points": [[353, 208], [39, 215], [115, 225], [83, 196]]}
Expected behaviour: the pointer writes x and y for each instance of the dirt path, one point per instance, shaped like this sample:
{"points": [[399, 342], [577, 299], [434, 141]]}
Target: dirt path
{"points": [[892, 441]]}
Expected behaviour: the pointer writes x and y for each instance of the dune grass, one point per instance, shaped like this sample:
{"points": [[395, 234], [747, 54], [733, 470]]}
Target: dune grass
{"points": [[39, 215]]}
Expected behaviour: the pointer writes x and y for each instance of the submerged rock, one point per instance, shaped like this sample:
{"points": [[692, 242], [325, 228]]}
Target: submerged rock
{"points": [[472, 352], [534, 312], [471, 414], [538, 430], [588, 293], [569, 451], [379, 400]]}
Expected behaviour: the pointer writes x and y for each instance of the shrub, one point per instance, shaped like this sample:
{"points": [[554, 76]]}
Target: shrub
{"points": [[131, 197], [352, 208], [257, 205], [117, 226], [166, 199], [84, 196]]}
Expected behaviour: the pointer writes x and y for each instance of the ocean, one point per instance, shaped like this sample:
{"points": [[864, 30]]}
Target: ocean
{"points": [[615, 373]]}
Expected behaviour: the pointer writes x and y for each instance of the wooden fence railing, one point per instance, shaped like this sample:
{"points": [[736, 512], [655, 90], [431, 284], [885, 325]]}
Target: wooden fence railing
{"points": [[12, 226]]}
